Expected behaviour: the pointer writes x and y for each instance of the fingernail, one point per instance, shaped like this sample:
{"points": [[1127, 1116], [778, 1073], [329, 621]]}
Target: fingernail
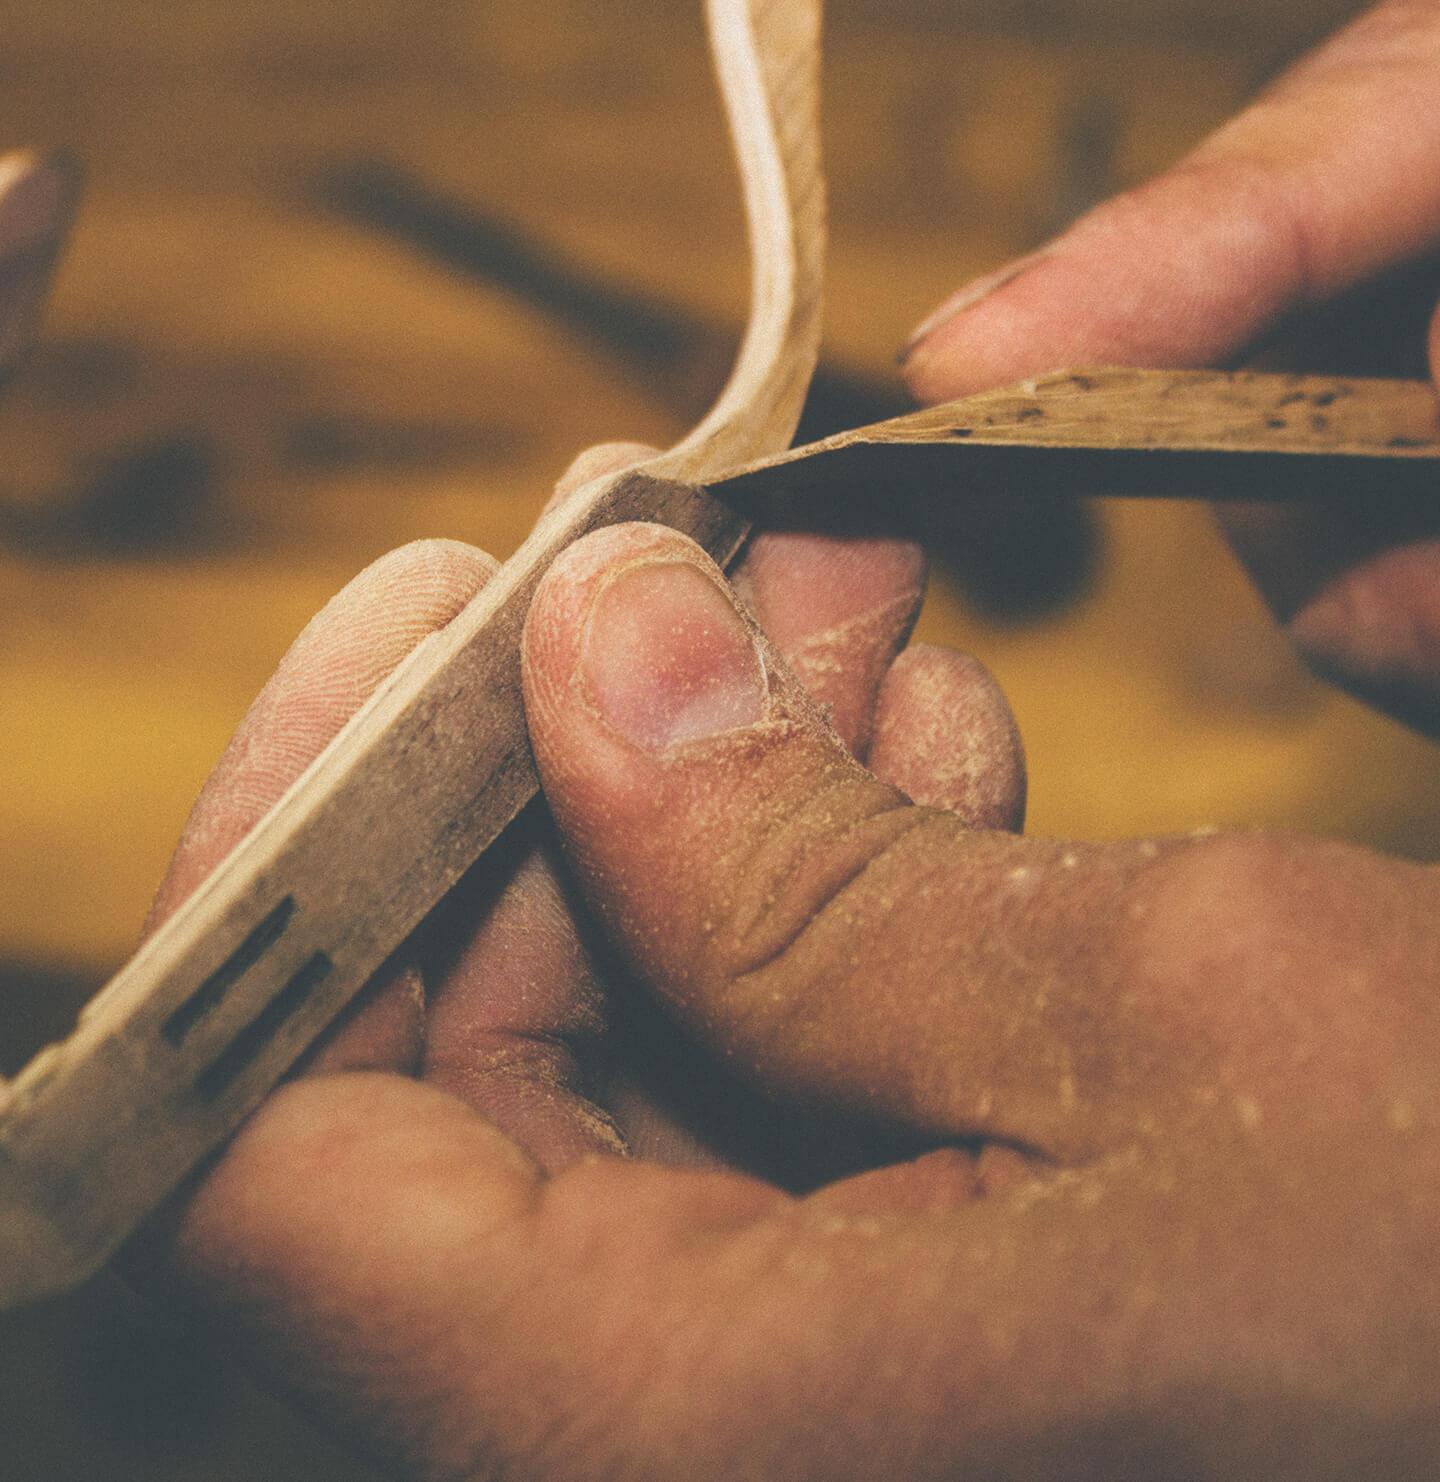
{"points": [[667, 658], [37, 201], [966, 298]]}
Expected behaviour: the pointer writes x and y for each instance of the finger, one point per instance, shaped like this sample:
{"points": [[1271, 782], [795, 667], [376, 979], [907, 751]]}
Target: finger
{"points": [[515, 1016], [332, 668], [838, 608], [394, 1263], [820, 933], [1357, 589], [515, 1013], [1330, 177], [397, 1265], [595, 463], [945, 736], [38, 197]]}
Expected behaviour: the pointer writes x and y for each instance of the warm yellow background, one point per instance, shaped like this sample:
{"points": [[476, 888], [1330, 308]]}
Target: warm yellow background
{"points": [[311, 392]]}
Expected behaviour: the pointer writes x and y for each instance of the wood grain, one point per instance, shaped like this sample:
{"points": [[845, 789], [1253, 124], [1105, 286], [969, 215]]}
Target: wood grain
{"points": [[348, 395], [1147, 433], [221, 1000]]}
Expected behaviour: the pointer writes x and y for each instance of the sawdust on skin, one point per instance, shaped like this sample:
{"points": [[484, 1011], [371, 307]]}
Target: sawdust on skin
{"points": [[945, 735]]}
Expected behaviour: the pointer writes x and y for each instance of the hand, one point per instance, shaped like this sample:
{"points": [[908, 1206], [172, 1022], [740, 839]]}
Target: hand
{"points": [[496, 1000], [1307, 232], [1178, 1218], [1176, 1215]]}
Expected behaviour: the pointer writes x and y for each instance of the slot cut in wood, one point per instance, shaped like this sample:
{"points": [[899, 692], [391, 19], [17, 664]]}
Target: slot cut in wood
{"points": [[212, 991]]}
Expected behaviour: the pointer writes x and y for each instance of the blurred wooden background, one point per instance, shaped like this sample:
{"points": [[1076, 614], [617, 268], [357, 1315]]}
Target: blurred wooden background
{"points": [[352, 272]]}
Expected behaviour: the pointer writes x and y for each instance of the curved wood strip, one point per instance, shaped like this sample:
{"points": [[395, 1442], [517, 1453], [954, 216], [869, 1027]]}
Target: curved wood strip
{"points": [[767, 57], [190, 1035]]}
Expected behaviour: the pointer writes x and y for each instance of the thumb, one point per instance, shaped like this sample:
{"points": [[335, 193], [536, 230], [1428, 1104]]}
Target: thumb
{"points": [[1329, 178], [834, 942]]}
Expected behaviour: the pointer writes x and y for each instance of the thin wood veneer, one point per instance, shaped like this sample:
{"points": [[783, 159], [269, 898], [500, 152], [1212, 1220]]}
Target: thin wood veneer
{"points": [[207, 1016], [203, 1021]]}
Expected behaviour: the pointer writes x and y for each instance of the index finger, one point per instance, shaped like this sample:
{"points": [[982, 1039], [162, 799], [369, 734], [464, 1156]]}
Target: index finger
{"points": [[1328, 178]]}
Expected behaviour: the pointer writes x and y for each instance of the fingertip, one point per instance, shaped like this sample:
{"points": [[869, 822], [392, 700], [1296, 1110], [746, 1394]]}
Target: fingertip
{"points": [[595, 463], [838, 608], [1186, 270], [556, 624], [946, 737], [375, 620], [343, 654], [952, 353]]}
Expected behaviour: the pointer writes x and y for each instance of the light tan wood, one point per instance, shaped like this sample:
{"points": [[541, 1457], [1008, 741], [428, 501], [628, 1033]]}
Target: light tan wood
{"points": [[189, 1036], [1205, 434], [192, 1033], [199, 266]]}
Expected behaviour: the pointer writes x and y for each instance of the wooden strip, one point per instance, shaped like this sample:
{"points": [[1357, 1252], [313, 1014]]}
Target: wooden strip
{"points": [[1188, 434], [191, 1034]]}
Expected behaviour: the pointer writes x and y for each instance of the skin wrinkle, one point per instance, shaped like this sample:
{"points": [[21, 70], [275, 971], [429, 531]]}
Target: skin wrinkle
{"points": [[942, 1084], [802, 871], [761, 917], [1242, 1282]]}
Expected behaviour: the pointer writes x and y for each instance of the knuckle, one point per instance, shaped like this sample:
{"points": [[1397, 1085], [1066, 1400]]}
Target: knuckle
{"points": [[801, 870], [1223, 910], [1276, 953]]}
